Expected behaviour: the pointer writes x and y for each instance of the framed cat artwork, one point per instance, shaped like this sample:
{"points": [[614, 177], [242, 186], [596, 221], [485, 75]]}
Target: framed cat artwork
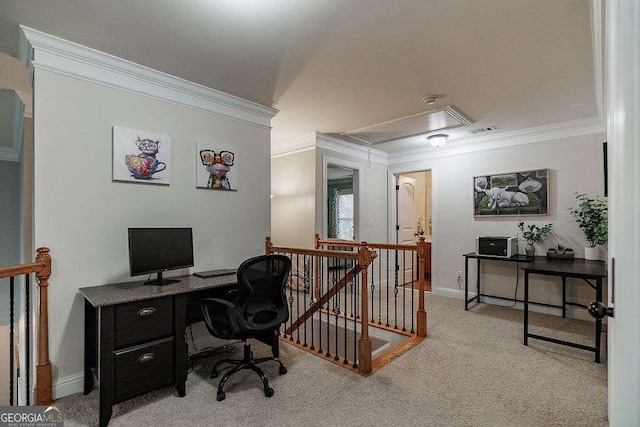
{"points": [[141, 157], [515, 193]]}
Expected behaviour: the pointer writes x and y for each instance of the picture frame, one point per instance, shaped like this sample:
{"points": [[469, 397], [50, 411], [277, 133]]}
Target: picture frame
{"points": [[523, 193], [141, 157], [216, 168]]}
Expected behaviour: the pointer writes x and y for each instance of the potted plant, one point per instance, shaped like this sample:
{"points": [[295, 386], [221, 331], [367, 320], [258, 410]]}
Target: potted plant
{"points": [[533, 234], [591, 216]]}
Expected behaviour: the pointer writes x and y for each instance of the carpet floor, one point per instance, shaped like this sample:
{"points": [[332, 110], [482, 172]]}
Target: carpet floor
{"points": [[472, 370]]}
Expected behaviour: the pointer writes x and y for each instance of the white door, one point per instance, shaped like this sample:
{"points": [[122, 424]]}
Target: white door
{"points": [[406, 224], [623, 19]]}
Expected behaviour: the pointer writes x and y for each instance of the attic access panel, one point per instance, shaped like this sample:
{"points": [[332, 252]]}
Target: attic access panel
{"points": [[418, 124]]}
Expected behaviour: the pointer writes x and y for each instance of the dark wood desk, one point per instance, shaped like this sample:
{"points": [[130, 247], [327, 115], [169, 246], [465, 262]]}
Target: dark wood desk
{"points": [[135, 337], [578, 268], [479, 258]]}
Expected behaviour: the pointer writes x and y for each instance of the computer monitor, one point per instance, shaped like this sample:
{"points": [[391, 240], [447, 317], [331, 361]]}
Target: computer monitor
{"points": [[155, 250]]}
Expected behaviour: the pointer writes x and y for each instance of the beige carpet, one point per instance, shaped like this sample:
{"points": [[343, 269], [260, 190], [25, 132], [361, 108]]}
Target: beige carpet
{"points": [[472, 370]]}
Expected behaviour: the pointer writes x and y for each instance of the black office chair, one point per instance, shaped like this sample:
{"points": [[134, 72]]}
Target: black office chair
{"points": [[258, 310]]}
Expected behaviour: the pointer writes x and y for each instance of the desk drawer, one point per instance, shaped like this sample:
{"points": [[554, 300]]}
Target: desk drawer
{"points": [[143, 368], [141, 321]]}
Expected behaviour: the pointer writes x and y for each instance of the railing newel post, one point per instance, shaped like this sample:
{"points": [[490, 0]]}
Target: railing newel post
{"points": [[364, 345], [44, 383], [421, 315]]}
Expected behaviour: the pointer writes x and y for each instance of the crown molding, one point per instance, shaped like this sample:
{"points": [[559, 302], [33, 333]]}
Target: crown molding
{"points": [[350, 149], [293, 145], [540, 134], [43, 51]]}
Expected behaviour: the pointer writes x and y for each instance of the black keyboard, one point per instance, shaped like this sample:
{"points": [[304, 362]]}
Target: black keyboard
{"points": [[214, 273]]}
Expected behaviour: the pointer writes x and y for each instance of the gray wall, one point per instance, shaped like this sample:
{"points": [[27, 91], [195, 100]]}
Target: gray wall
{"points": [[82, 216], [9, 228]]}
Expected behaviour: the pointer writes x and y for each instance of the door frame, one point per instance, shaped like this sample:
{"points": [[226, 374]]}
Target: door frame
{"points": [[357, 193], [411, 167], [623, 132]]}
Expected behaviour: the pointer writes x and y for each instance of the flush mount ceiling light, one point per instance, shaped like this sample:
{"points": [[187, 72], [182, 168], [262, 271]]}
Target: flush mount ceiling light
{"points": [[438, 140]]}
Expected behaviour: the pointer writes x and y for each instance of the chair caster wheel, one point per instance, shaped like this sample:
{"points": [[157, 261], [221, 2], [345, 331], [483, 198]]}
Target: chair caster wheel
{"points": [[268, 392], [282, 370], [220, 396], [214, 374]]}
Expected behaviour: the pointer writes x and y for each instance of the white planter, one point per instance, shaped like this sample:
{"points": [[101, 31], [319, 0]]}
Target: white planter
{"points": [[592, 254]]}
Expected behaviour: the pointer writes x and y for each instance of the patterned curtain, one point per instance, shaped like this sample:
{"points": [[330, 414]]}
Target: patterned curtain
{"points": [[336, 210]]}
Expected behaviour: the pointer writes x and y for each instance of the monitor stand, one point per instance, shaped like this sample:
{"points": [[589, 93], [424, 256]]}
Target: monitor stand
{"points": [[160, 281]]}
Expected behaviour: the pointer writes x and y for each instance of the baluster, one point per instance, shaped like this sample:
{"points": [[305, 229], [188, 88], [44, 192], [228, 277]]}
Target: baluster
{"points": [[291, 301], [321, 288], [373, 287], [355, 326], [298, 293], [380, 290], [330, 304], [388, 288], [336, 312], [414, 277], [345, 361], [11, 339], [395, 291], [307, 282], [404, 290], [27, 327]]}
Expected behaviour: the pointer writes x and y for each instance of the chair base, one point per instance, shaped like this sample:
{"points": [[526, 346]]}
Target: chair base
{"points": [[247, 362]]}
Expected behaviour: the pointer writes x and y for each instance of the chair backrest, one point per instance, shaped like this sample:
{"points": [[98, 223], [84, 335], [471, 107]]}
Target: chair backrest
{"points": [[261, 295]]}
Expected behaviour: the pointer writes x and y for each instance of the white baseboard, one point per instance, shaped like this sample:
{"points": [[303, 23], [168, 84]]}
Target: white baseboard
{"points": [[572, 312], [66, 386]]}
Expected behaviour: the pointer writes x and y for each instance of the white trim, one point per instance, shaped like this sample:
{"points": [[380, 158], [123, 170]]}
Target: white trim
{"points": [[350, 149], [293, 145], [540, 134], [74, 60], [66, 386], [358, 185], [417, 166], [289, 153]]}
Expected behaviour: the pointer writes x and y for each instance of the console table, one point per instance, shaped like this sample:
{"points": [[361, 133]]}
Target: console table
{"points": [[579, 268], [479, 258], [135, 337]]}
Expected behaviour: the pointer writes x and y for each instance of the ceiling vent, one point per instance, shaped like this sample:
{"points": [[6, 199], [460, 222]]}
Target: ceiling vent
{"points": [[418, 124], [480, 130]]}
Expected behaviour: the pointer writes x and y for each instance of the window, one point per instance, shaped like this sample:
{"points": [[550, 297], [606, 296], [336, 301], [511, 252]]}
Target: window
{"points": [[344, 215]]}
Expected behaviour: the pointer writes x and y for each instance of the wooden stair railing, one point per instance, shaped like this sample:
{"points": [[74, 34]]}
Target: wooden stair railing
{"points": [[363, 257], [423, 251], [42, 269], [324, 299]]}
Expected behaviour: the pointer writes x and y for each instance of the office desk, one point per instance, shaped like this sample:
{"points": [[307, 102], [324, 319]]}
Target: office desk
{"points": [[479, 258], [135, 337], [578, 268]]}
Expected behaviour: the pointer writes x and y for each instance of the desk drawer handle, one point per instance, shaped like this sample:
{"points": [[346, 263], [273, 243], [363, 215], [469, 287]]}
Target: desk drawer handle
{"points": [[147, 311], [148, 357]]}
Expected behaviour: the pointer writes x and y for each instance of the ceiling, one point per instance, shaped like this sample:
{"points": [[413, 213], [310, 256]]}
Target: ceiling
{"points": [[335, 66]]}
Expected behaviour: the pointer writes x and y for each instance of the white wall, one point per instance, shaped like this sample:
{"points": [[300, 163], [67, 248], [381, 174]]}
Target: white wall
{"points": [[575, 165], [83, 216], [9, 230], [293, 205]]}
